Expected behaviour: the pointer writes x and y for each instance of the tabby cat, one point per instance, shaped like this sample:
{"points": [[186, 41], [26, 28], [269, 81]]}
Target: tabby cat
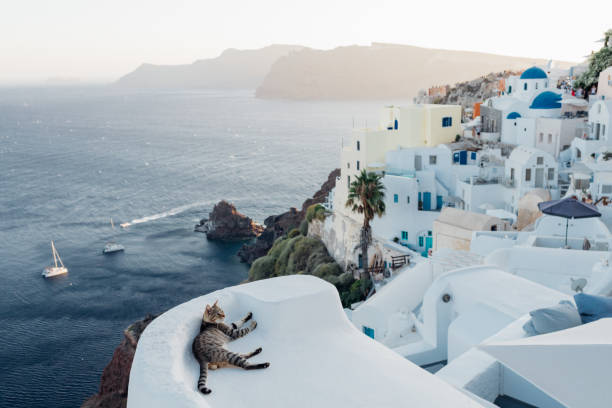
{"points": [[209, 345]]}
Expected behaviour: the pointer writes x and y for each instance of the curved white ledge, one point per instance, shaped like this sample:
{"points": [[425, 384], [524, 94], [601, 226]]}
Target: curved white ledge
{"points": [[318, 358]]}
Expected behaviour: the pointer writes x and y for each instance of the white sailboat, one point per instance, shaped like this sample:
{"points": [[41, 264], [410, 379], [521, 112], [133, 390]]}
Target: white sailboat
{"points": [[112, 247], [55, 270]]}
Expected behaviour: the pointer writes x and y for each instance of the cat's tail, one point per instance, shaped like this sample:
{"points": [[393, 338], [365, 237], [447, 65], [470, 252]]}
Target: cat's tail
{"points": [[203, 376]]}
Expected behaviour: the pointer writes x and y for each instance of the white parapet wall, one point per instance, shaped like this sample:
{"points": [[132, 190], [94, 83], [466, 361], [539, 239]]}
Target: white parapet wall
{"points": [[318, 358]]}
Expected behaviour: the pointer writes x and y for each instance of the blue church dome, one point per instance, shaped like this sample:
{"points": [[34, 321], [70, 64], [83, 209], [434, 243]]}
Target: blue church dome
{"points": [[546, 100], [513, 115], [534, 73]]}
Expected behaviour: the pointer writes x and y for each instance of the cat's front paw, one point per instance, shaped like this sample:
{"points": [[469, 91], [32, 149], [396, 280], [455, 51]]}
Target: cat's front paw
{"points": [[253, 325]]}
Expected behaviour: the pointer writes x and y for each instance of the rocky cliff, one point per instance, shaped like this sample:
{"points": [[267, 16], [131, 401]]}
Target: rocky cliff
{"points": [[225, 223], [116, 375], [469, 92], [279, 225]]}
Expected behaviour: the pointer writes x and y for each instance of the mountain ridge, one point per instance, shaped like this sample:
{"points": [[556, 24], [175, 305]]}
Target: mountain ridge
{"points": [[232, 69], [379, 71]]}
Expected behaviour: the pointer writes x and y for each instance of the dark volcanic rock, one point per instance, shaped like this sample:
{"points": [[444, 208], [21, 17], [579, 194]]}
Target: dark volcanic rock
{"points": [[116, 375], [279, 225], [226, 223]]}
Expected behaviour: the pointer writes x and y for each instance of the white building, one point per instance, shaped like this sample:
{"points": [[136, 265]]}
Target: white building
{"points": [[526, 169], [598, 134], [532, 113], [420, 181], [400, 127]]}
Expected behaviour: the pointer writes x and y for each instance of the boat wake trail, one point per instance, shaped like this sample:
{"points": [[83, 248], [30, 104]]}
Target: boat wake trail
{"points": [[169, 213]]}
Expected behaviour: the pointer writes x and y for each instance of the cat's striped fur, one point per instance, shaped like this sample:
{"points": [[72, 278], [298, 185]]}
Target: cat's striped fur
{"points": [[209, 345]]}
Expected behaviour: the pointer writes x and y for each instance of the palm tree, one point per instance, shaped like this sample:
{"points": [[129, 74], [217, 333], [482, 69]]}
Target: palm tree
{"points": [[367, 197]]}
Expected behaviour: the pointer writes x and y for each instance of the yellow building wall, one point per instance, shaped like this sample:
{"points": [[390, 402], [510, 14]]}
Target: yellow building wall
{"points": [[411, 126], [435, 134]]}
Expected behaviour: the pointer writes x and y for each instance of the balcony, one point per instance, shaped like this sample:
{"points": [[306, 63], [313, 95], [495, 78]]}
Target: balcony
{"points": [[476, 181]]}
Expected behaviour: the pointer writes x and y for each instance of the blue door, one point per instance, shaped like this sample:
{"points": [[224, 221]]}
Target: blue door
{"points": [[426, 201], [428, 243], [463, 157], [395, 124], [368, 331], [439, 202]]}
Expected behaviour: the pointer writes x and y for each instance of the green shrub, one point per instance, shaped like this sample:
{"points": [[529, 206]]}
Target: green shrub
{"points": [[293, 233], [262, 268], [315, 211], [299, 254], [598, 61], [327, 271], [278, 246], [285, 251], [304, 227]]}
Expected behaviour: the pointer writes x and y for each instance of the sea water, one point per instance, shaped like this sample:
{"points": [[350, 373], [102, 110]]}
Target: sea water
{"points": [[73, 158]]}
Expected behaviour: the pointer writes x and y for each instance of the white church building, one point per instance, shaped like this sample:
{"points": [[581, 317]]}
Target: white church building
{"points": [[533, 113]]}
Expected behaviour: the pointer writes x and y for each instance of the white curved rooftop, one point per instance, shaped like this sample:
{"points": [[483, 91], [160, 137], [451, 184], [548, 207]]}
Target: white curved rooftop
{"points": [[570, 365], [522, 154], [318, 358]]}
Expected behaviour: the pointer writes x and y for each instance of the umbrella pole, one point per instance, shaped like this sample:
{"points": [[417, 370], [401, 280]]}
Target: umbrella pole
{"points": [[566, 224]]}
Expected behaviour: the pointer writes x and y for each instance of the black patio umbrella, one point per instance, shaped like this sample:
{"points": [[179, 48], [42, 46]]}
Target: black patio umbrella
{"points": [[569, 208]]}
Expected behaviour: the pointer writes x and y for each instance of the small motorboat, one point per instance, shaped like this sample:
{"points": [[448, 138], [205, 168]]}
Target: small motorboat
{"points": [[55, 270], [111, 247]]}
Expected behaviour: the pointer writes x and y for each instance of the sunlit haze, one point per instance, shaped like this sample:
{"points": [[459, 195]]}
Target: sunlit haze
{"points": [[87, 40]]}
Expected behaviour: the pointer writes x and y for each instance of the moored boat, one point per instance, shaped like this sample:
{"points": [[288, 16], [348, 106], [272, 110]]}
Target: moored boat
{"points": [[56, 269]]}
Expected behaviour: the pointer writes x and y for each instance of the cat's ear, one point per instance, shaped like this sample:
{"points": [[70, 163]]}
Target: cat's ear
{"points": [[216, 301], [208, 308]]}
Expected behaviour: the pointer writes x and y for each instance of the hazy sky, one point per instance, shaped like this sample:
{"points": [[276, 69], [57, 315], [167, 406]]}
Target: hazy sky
{"points": [[102, 40]]}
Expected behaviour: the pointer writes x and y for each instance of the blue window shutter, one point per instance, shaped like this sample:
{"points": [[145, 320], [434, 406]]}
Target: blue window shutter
{"points": [[473, 155], [395, 198], [420, 241], [368, 331]]}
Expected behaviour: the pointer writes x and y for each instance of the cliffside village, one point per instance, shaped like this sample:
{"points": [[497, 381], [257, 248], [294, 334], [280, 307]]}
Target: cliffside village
{"points": [[464, 255], [445, 179], [490, 267]]}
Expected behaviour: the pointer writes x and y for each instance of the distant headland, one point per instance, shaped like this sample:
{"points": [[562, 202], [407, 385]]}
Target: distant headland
{"points": [[378, 71]]}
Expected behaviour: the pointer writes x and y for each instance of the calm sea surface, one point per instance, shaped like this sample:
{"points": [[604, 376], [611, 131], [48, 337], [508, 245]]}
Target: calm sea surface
{"points": [[72, 158]]}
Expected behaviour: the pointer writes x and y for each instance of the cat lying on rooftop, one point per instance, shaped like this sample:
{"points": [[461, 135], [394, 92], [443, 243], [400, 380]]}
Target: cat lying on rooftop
{"points": [[209, 345]]}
